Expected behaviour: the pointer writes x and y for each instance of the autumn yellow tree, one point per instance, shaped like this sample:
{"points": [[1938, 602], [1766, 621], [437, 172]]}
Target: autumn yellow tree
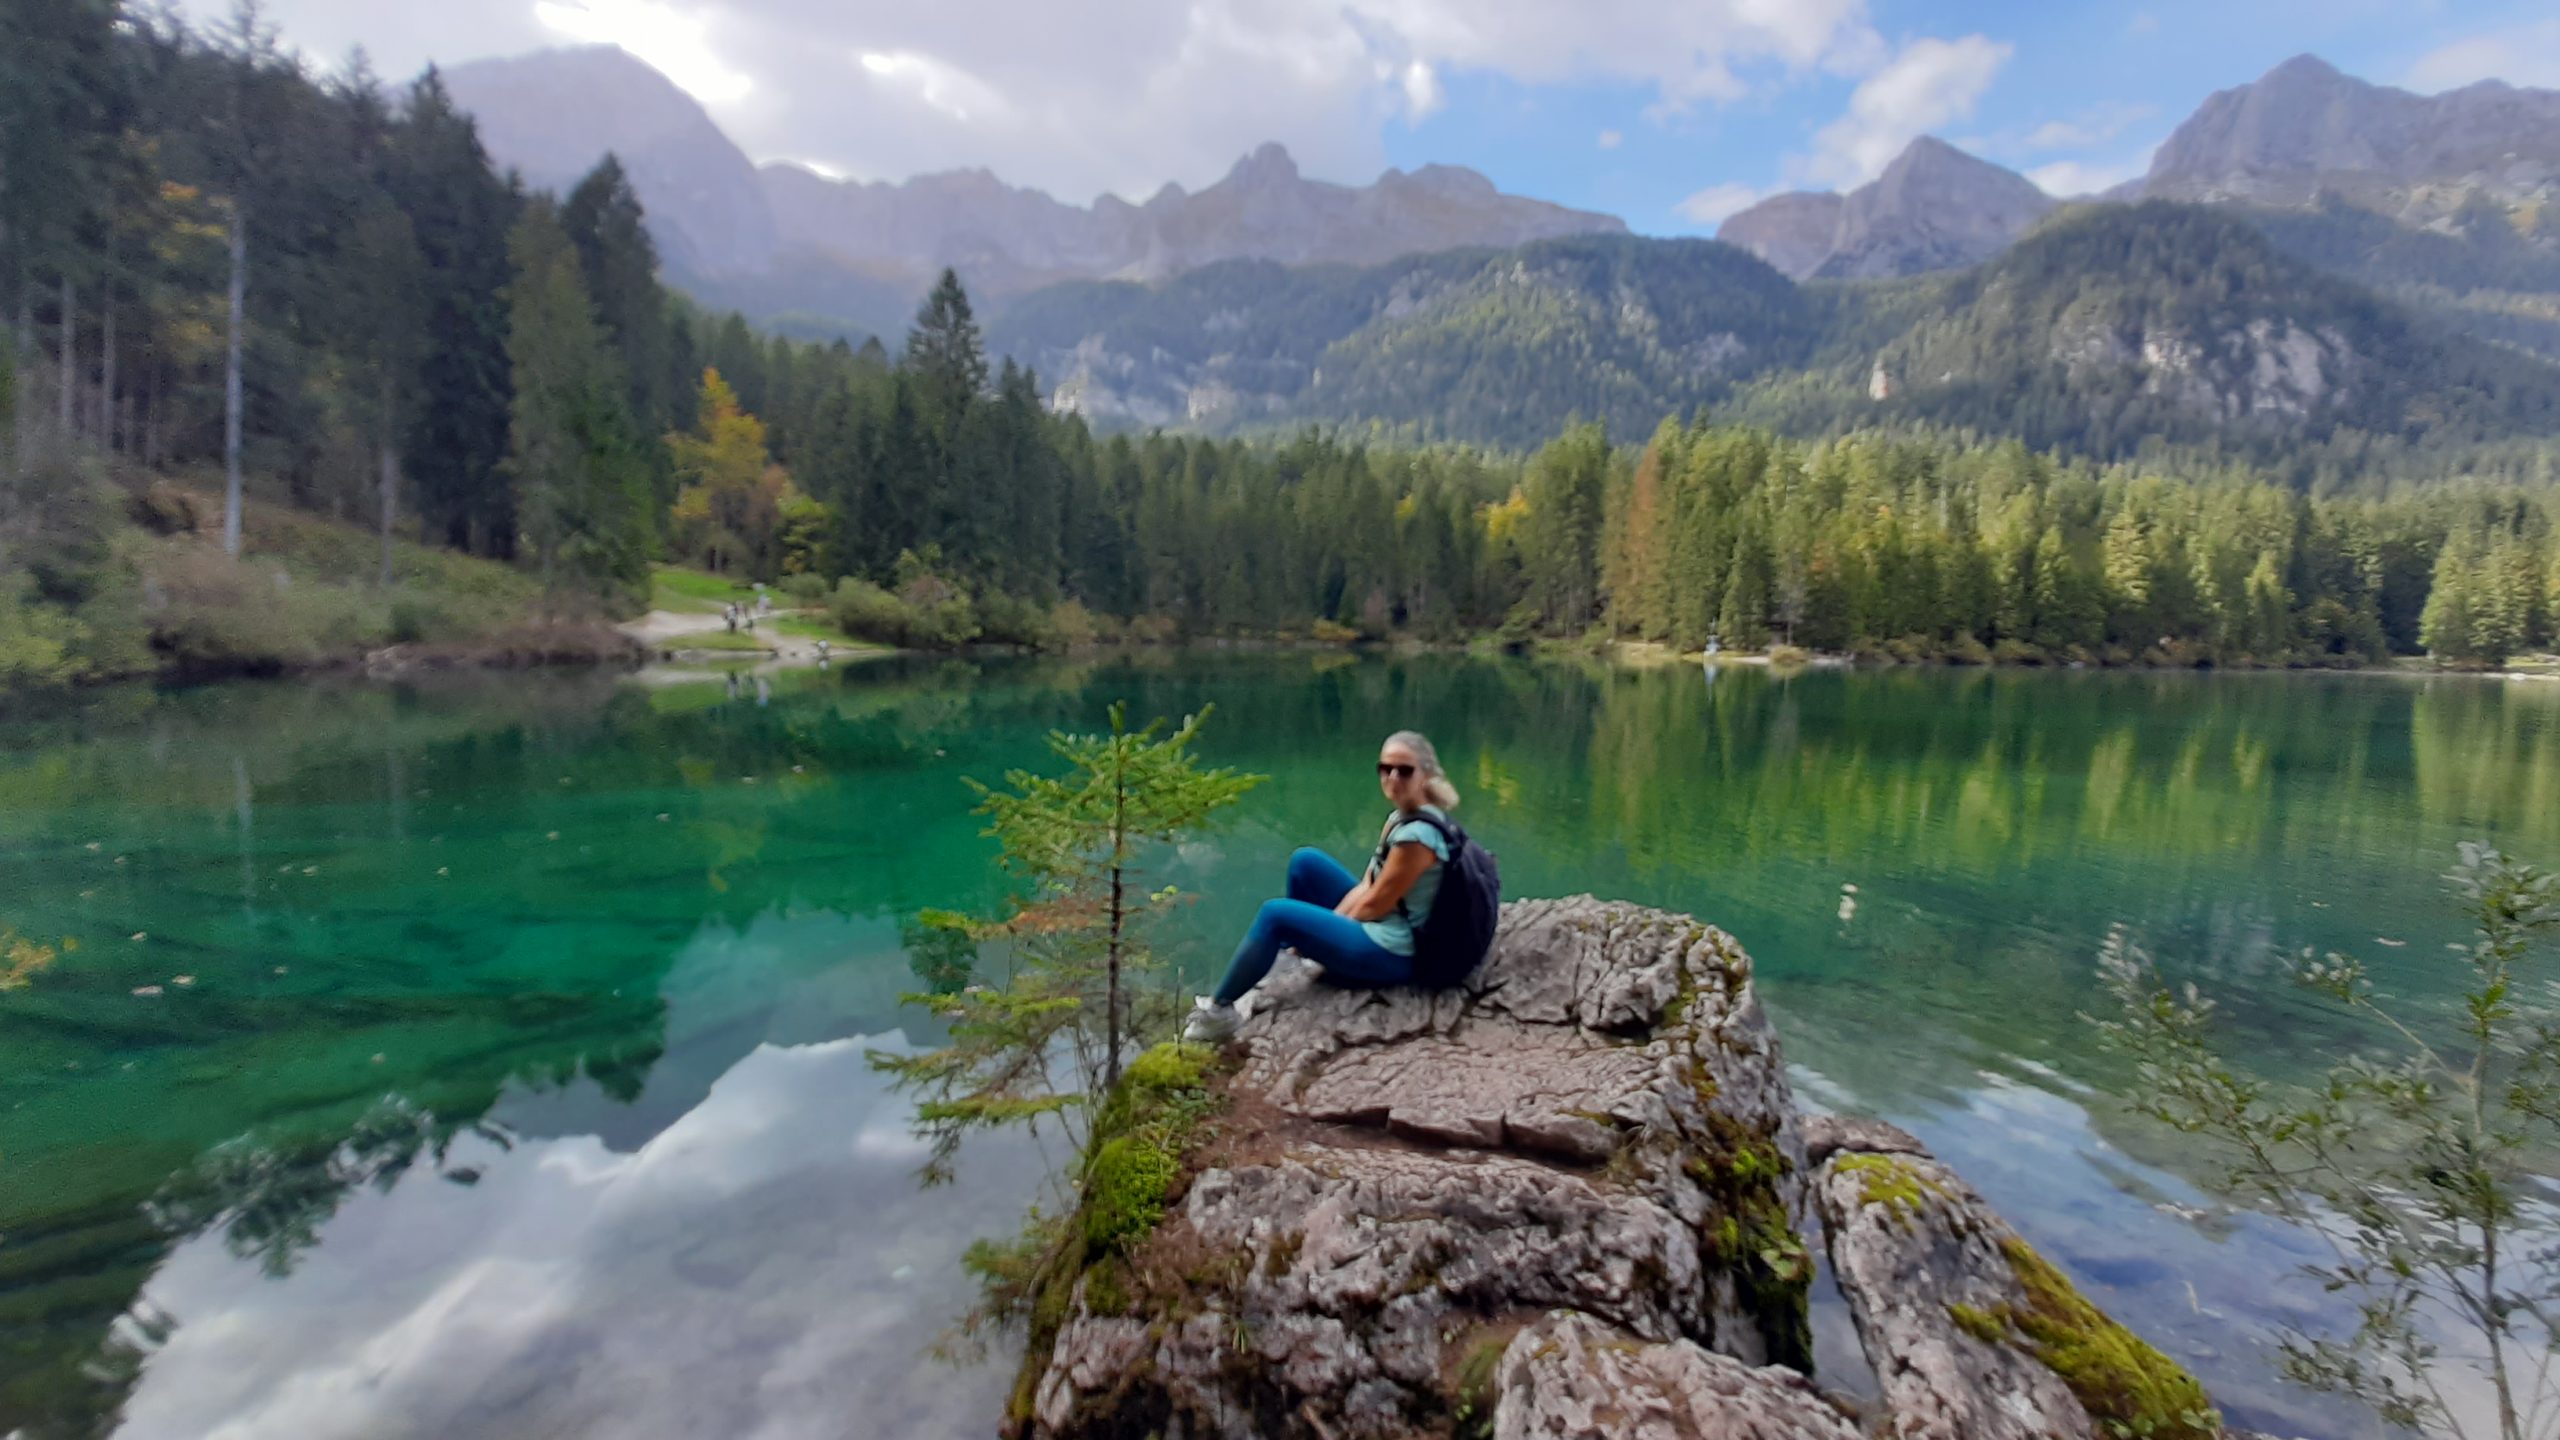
{"points": [[731, 514]]}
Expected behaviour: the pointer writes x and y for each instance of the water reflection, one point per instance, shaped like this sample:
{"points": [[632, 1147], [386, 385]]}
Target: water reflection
{"points": [[712, 1281], [628, 930]]}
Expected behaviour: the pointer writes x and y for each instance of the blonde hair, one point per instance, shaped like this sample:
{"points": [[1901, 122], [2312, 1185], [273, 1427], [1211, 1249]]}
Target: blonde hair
{"points": [[1426, 763]]}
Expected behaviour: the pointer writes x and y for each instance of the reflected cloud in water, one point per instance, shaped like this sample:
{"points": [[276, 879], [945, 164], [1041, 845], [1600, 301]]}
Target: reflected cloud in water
{"points": [[763, 1266]]}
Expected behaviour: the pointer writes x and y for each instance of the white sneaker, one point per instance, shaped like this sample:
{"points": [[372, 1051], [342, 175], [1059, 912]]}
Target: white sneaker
{"points": [[1211, 1022]]}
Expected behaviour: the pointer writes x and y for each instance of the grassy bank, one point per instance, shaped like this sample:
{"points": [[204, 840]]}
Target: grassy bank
{"points": [[121, 576]]}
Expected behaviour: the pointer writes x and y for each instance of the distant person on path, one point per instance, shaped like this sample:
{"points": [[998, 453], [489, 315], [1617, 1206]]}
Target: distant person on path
{"points": [[1368, 933]]}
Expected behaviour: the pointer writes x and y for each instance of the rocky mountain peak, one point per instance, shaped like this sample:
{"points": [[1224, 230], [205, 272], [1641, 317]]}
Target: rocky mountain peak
{"points": [[1268, 167], [553, 114], [2304, 129], [2306, 70], [1934, 208], [789, 238]]}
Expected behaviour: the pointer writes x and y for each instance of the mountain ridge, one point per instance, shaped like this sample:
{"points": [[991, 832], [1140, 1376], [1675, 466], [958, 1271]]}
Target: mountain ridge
{"points": [[2107, 325], [750, 233]]}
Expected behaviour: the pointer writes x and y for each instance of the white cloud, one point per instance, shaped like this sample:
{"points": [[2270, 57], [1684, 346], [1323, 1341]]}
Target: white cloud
{"points": [[674, 43], [2068, 179], [2525, 55], [1611, 139], [943, 87], [1931, 83], [2094, 126], [1125, 96], [1422, 92], [1714, 204]]}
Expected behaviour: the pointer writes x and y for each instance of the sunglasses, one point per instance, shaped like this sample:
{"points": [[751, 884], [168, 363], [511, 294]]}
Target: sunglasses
{"points": [[1401, 772]]}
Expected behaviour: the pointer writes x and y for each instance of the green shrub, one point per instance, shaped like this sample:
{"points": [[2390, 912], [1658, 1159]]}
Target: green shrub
{"points": [[867, 612], [38, 642], [947, 625], [2013, 651], [1004, 620], [1072, 627], [804, 590]]}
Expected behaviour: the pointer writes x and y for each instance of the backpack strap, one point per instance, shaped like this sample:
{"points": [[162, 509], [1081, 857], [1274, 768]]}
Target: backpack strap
{"points": [[1450, 835]]}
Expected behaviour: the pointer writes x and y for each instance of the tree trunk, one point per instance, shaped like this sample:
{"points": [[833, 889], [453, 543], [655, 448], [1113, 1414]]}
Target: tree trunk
{"points": [[106, 429], [151, 412], [1111, 1020], [231, 386], [67, 359], [390, 503], [26, 342]]}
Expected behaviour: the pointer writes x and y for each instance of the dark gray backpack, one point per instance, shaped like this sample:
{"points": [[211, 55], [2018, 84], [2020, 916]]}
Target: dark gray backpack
{"points": [[1451, 941]]}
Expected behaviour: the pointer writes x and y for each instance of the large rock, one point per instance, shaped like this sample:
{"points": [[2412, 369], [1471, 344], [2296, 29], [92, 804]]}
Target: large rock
{"points": [[1972, 1334], [1597, 1121], [1560, 1202]]}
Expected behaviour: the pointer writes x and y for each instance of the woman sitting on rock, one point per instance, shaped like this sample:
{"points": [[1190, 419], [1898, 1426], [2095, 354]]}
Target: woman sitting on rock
{"points": [[1361, 931]]}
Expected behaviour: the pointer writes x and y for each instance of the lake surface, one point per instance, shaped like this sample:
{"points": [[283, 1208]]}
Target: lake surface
{"points": [[506, 1070]]}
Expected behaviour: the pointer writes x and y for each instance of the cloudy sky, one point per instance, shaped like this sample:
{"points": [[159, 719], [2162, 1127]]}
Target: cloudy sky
{"points": [[1671, 113]]}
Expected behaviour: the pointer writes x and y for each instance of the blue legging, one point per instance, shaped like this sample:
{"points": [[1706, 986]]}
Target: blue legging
{"points": [[1305, 922]]}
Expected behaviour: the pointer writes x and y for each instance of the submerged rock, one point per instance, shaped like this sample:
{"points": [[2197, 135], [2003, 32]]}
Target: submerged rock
{"points": [[1561, 1200]]}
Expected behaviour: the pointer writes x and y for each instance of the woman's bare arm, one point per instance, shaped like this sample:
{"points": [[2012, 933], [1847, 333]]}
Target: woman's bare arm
{"points": [[1377, 899]]}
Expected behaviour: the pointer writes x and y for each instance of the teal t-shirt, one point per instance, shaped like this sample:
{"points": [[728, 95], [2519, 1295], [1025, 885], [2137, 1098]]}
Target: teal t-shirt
{"points": [[1395, 933]]}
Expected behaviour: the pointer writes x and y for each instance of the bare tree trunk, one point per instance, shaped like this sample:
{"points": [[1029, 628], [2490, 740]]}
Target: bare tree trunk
{"points": [[1119, 851], [66, 359], [231, 386], [106, 429], [151, 413], [390, 505], [26, 342]]}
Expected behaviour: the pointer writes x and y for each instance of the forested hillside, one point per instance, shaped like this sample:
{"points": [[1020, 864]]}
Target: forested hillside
{"points": [[2118, 325], [342, 309], [1496, 347], [2109, 329]]}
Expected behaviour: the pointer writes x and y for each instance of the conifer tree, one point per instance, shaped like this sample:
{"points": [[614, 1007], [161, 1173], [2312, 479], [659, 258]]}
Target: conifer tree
{"points": [[947, 357], [604, 220], [460, 212], [573, 456]]}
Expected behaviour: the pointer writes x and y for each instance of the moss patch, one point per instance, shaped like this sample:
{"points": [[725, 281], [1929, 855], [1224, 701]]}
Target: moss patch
{"points": [[1749, 1236], [1133, 1168], [1885, 1181], [1982, 1325], [2128, 1387], [1479, 1374]]}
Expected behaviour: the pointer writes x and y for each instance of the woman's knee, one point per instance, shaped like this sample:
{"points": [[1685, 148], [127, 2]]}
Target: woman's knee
{"points": [[1307, 860]]}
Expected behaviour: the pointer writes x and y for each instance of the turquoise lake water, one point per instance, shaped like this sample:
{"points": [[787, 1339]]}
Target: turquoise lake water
{"points": [[505, 1073]]}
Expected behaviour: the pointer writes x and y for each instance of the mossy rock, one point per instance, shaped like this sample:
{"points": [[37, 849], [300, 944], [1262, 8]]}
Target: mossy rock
{"points": [[2125, 1384], [1887, 1182], [1124, 1190]]}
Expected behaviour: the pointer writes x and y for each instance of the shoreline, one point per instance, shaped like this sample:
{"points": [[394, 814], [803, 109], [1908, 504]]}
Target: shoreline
{"points": [[660, 657]]}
